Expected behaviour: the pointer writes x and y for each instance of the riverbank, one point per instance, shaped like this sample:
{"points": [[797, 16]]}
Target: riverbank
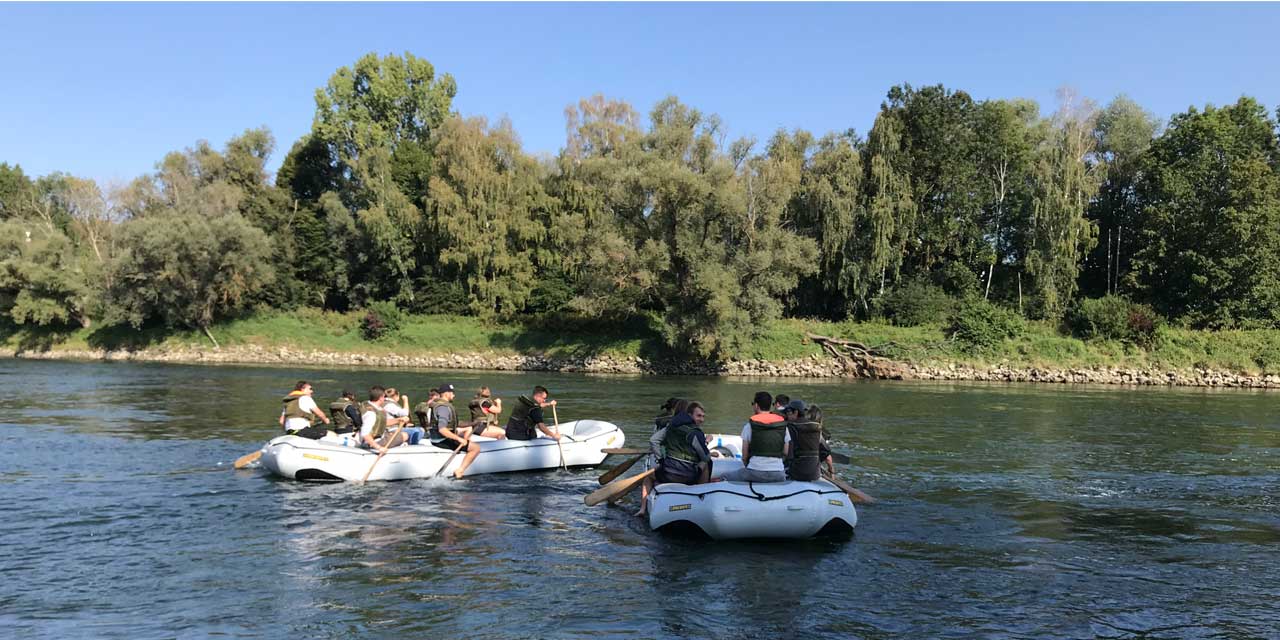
{"points": [[1239, 359]]}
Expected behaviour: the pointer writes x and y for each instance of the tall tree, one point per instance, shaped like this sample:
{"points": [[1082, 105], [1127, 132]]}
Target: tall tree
{"points": [[1210, 250], [1008, 133], [1066, 180]]}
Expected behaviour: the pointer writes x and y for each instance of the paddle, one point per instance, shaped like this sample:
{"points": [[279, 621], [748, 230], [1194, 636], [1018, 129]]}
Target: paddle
{"points": [[390, 440], [247, 459], [615, 489], [625, 452], [446, 462], [558, 445], [839, 458], [854, 494], [613, 473]]}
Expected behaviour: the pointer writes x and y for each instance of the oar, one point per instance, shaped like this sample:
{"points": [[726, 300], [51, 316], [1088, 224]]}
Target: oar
{"points": [[615, 489], [446, 462], [613, 473], [558, 445], [625, 452], [247, 459], [854, 494], [839, 458], [390, 440]]}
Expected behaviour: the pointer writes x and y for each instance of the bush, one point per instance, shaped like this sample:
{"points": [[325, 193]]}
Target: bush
{"points": [[916, 303], [979, 326], [381, 319], [1113, 318]]}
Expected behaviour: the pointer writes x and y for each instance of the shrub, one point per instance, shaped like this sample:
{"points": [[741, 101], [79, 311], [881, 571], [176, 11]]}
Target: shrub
{"points": [[979, 326], [381, 319], [1113, 318], [916, 303]]}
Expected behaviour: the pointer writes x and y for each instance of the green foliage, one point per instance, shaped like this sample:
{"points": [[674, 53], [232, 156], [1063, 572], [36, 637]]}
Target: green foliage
{"points": [[187, 270], [978, 326], [381, 319], [1113, 318], [915, 303], [42, 279], [1211, 234]]}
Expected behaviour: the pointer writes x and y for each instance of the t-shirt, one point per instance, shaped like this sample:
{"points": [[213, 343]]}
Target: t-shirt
{"points": [[444, 414], [305, 404], [764, 463], [395, 410], [535, 418], [367, 421]]}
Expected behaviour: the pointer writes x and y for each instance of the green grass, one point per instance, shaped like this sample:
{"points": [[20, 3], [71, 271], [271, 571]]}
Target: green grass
{"points": [[1039, 345]]}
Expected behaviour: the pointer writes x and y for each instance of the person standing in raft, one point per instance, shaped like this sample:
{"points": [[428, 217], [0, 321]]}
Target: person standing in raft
{"points": [[765, 441], [484, 422], [526, 417], [373, 423], [681, 451], [300, 412], [346, 413]]}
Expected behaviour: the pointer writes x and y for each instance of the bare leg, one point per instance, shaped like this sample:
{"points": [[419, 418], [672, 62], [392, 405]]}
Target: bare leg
{"points": [[645, 488], [473, 450]]}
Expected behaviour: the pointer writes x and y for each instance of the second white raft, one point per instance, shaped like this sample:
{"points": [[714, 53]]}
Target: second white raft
{"points": [[729, 510]]}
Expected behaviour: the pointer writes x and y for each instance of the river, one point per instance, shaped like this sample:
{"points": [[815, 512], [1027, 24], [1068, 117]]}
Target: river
{"points": [[1006, 511]]}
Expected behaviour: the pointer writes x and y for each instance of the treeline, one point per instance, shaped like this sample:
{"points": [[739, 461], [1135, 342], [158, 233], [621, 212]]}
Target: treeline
{"points": [[949, 207]]}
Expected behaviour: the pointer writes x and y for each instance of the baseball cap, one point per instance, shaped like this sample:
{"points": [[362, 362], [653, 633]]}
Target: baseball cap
{"points": [[445, 388], [796, 405]]}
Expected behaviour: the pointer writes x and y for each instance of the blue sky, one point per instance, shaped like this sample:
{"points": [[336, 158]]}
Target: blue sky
{"points": [[105, 90]]}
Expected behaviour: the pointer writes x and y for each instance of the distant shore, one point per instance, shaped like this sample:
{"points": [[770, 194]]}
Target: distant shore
{"points": [[814, 366]]}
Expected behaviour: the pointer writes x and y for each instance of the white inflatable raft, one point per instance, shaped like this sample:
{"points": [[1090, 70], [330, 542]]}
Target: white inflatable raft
{"points": [[330, 459], [729, 510]]}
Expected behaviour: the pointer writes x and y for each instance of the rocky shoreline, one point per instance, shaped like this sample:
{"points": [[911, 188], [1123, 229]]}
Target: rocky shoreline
{"points": [[811, 367]]}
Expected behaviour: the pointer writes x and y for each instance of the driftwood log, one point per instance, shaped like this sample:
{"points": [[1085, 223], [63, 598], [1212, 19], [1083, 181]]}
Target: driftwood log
{"points": [[862, 360]]}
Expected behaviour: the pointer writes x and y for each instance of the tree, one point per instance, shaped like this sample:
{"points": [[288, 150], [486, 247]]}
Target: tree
{"points": [[1066, 180], [1008, 132], [15, 191], [1124, 133], [490, 210], [376, 119], [42, 280], [1210, 195], [188, 270]]}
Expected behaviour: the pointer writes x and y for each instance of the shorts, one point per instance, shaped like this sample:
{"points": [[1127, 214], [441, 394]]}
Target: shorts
{"points": [[310, 433], [445, 444], [516, 434], [663, 475]]}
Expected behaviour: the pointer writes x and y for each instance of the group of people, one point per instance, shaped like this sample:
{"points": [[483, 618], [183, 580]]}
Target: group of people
{"points": [[782, 440], [383, 421]]}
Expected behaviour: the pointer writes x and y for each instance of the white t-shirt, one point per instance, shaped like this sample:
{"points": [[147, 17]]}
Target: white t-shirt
{"points": [[394, 410], [305, 404], [764, 463]]}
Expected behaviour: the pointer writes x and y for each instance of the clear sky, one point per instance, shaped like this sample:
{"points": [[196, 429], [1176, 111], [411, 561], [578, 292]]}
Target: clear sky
{"points": [[105, 90]]}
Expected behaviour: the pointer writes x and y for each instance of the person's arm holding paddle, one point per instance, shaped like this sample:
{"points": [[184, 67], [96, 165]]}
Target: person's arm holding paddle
{"points": [[538, 419]]}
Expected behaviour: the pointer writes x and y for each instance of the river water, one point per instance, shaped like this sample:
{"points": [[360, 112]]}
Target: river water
{"points": [[1006, 511]]}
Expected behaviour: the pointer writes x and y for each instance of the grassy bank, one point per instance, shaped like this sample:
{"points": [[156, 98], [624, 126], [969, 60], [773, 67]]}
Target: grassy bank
{"points": [[1245, 352]]}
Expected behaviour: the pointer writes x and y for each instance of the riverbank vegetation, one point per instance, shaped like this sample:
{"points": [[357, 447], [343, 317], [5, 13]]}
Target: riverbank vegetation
{"points": [[958, 229]]}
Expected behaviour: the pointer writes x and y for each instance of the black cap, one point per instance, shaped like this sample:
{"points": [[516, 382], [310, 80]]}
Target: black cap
{"points": [[796, 405], [445, 388]]}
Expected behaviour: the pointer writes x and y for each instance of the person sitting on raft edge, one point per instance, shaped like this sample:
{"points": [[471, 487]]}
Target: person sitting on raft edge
{"points": [[526, 417], [299, 414], [808, 448], [765, 442], [681, 452], [346, 413]]}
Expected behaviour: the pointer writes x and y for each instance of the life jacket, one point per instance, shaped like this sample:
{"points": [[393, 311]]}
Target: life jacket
{"points": [[434, 429], [768, 435], [518, 425], [806, 439], [425, 413], [478, 414], [677, 442], [293, 407], [379, 419], [338, 411]]}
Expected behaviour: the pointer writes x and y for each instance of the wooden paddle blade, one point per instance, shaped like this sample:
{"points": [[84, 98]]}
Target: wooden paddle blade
{"points": [[615, 489], [613, 473], [854, 494], [625, 452], [839, 458], [246, 460]]}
